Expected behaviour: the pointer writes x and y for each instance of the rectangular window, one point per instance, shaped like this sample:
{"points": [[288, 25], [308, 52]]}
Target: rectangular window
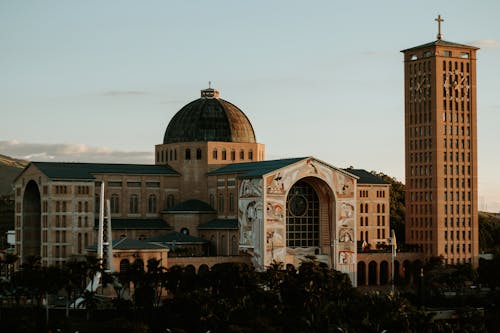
{"points": [[114, 184], [133, 184], [447, 53]]}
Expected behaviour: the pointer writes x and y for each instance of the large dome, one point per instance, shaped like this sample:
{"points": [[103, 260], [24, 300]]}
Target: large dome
{"points": [[209, 118]]}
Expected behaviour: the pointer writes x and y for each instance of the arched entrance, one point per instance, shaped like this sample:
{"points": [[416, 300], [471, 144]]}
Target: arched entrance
{"points": [[310, 216], [397, 276], [384, 272], [372, 273], [361, 273], [31, 228]]}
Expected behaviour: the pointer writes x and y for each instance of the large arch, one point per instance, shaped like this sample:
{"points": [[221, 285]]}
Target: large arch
{"points": [[31, 228], [397, 269], [361, 273], [372, 273], [310, 217], [384, 272]]}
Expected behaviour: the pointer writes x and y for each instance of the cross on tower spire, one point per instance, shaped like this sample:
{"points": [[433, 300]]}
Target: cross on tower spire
{"points": [[439, 20]]}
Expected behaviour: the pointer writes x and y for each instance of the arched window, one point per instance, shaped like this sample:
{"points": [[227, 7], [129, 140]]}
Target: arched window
{"points": [[361, 236], [198, 154], [57, 206], [366, 221], [175, 154], [124, 265], [170, 200], [80, 245], [134, 204], [234, 246], [250, 154], [188, 154], [64, 206], [233, 155], [366, 208], [86, 206], [86, 240], [361, 221], [302, 216], [152, 204], [115, 203], [221, 203], [213, 246], [79, 206], [171, 155], [361, 208], [223, 245], [242, 154], [212, 200], [214, 154], [378, 208], [231, 202], [366, 236], [383, 208], [224, 157]]}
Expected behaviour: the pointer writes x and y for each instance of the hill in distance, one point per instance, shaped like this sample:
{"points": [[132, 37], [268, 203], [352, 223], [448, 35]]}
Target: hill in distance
{"points": [[9, 169]]}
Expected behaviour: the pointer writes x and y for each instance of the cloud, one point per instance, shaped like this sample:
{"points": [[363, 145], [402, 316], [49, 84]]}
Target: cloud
{"points": [[114, 93], [486, 43], [72, 153]]}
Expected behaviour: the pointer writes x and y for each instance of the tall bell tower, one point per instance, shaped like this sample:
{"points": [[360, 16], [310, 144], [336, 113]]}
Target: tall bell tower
{"points": [[441, 149]]}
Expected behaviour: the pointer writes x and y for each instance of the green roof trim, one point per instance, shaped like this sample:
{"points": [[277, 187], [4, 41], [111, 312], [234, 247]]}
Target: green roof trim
{"points": [[192, 205], [441, 42], [60, 170], [255, 169], [151, 224], [366, 177], [220, 224], [177, 238]]}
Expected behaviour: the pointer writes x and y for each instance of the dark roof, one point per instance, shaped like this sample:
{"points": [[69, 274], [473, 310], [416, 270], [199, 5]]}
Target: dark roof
{"points": [[209, 119], [139, 224], [192, 205], [366, 177], [220, 224], [255, 169], [441, 43], [177, 238], [130, 244], [62, 170]]}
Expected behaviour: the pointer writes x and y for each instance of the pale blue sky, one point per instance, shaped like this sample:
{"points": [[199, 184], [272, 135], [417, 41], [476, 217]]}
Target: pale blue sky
{"points": [[100, 80]]}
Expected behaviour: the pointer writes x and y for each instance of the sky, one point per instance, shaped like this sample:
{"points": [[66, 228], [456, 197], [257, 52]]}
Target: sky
{"points": [[99, 81]]}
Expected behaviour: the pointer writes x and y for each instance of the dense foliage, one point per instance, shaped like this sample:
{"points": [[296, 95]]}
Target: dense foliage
{"points": [[228, 297]]}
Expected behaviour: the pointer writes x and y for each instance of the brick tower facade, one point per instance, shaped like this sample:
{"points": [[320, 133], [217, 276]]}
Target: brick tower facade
{"points": [[441, 150]]}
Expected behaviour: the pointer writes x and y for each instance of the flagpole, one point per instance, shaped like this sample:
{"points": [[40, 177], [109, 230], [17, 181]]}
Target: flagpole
{"points": [[393, 244]]}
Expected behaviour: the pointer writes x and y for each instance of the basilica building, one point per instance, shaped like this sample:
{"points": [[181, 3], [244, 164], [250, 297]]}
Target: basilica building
{"points": [[210, 195]]}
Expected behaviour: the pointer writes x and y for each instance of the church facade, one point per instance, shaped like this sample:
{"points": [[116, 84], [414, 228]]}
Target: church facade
{"points": [[210, 193]]}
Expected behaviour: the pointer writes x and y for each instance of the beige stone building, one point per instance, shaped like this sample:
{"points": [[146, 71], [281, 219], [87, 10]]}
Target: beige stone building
{"points": [[441, 150], [210, 197], [373, 196]]}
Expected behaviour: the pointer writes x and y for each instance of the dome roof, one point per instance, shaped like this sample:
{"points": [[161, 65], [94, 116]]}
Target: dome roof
{"points": [[209, 118]]}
